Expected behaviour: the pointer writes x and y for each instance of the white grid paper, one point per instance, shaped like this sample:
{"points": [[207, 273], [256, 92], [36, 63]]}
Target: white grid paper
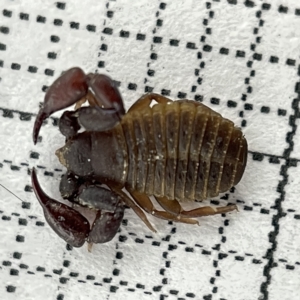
{"points": [[241, 58]]}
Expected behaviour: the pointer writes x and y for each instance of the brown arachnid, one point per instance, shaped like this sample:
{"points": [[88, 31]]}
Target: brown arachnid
{"points": [[176, 151]]}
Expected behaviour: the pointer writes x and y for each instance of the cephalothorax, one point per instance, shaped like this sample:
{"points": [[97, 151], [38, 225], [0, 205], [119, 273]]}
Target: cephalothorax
{"points": [[175, 151]]}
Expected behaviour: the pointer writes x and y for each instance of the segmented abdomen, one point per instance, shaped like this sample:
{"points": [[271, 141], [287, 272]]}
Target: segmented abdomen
{"points": [[182, 150]]}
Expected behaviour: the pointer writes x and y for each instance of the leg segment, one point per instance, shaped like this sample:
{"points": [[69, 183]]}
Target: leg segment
{"points": [[208, 211], [175, 208], [88, 97], [143, 201], [146, 100], [129, 202], [94, 118], [69, 186], [68, 124], [172, 206]]}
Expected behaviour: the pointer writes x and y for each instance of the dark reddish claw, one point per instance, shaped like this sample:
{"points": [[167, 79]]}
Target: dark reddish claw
{"points": [[68, 223], [65, 91], [72, 86], [68, 89], [106, 92]]}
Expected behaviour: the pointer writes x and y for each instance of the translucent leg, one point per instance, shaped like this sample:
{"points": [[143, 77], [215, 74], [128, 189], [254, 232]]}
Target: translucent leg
{"points": [[209, 211], [174, 207], [144, 202], [129, 202]]}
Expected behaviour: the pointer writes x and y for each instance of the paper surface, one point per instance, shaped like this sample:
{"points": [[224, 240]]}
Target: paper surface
{"points": [[241, 58]]}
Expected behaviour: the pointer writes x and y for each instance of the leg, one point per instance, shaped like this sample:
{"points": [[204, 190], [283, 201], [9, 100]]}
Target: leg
{"points": [[88, 97], [175, 208], [171, 206], [68, 124], [129, 202], [208, 211], [143, 201], [146, 100], [69, 186]]}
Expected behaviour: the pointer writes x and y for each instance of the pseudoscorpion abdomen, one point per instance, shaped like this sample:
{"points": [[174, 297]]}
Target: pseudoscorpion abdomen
{"points": [[182, 150]]}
